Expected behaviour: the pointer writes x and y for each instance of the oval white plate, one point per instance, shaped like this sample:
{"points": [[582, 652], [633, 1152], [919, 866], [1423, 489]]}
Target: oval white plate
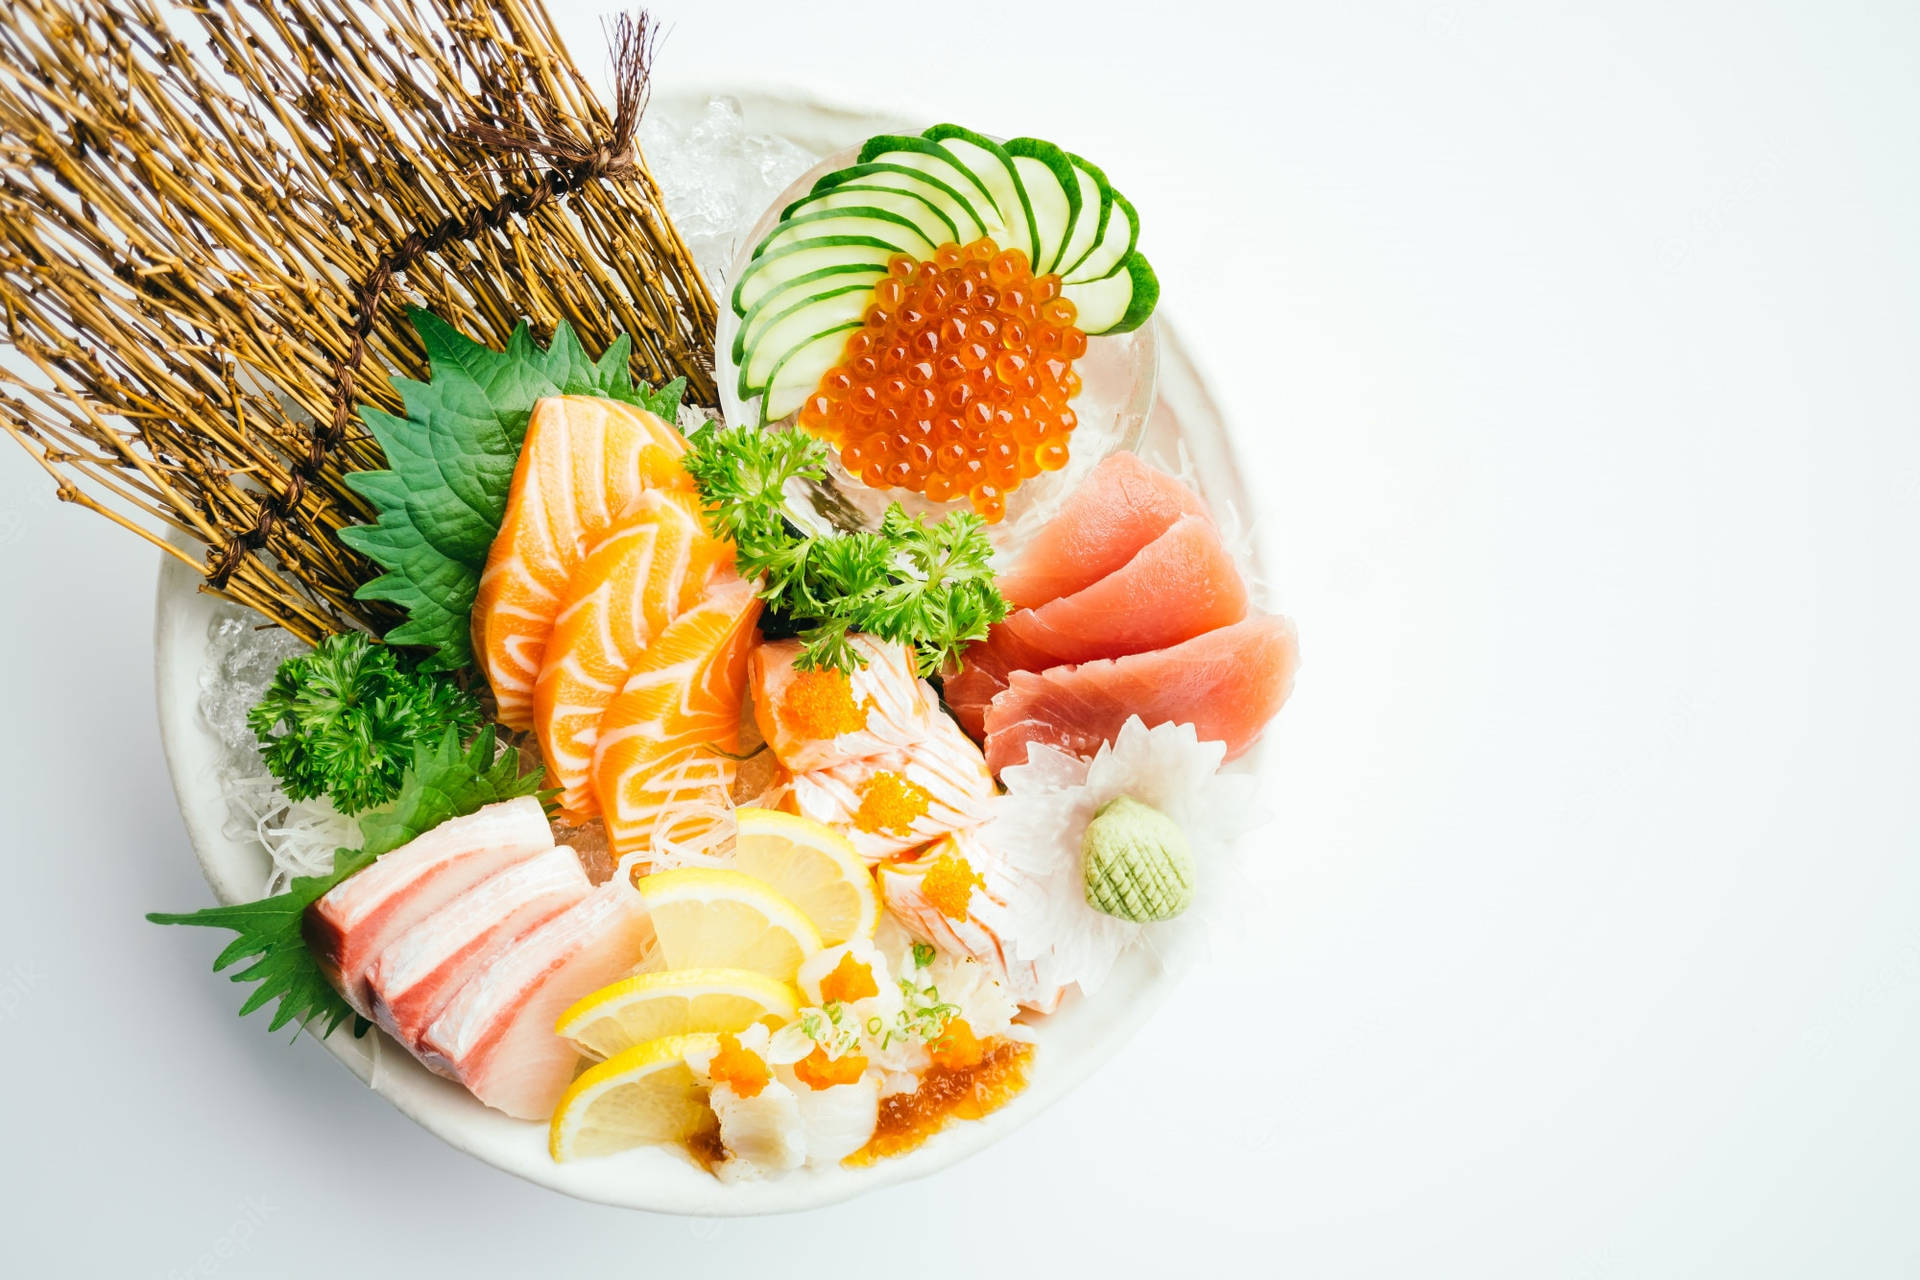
{"points": [[1071, 1043]]}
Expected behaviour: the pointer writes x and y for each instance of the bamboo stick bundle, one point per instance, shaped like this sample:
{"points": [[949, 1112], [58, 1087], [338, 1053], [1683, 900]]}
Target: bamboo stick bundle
{"points": [[214, 216]]}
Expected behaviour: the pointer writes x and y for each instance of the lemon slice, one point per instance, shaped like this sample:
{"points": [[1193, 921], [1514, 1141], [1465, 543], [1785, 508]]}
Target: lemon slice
{"points": [[814, 866], [710, 918], [636, 1010], [647, 1094]]}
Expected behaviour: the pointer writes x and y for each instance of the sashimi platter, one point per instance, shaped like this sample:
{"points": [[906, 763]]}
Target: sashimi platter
{"points": [[752, 775]]}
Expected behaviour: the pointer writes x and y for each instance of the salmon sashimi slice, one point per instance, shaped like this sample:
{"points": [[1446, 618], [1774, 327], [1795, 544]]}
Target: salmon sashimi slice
{"points": [[1121, 506], [583, 463], [975, 922], [416, 974], [890, 803], [1227, 683], [496, 1035], [359, 917], [1180, 585], [658, 559], [821, 718], [658, 766]]}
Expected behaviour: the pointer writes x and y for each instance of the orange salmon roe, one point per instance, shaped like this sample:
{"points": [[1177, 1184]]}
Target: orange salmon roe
{"points": [[889, 802], [958, 385], [819, 704], [949, 885], [742, 1068], [850, 980], [818, 1071], [956, 1047]]}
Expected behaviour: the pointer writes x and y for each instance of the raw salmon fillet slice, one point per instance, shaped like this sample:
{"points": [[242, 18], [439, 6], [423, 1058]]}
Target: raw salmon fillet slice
{"points": [[943, 773], [635, 581], [416, 974], [1121, 506], [496, 1035], [1227, 683], [883, 706], [661, 737], [584, 462], [1180, 585], [358, 918]]}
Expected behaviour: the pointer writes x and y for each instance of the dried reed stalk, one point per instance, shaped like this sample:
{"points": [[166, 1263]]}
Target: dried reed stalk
{"points": [[190, 230]]}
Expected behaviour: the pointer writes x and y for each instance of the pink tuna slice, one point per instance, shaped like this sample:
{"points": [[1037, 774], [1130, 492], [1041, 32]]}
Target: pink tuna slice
{"points": [[361, 916], [496, 1035], [1227, 683], [1121, 506], [420, 971], [1180, 585]]}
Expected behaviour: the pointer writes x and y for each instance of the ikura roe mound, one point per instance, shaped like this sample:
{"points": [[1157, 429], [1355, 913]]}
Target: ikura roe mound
{"points": [[959, 384]]}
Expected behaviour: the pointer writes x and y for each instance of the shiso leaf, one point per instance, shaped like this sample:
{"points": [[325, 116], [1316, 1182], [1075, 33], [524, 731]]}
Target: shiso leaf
{"points": [[444, 781], [451, 461]]}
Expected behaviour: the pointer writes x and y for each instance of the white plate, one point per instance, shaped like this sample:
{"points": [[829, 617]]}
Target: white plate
{"points": [[1071, 1044]]}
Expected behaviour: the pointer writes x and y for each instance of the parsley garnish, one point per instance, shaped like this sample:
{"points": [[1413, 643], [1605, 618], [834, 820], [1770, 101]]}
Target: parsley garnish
{"points": [[905, 582], [343, 721], [442, 781]]}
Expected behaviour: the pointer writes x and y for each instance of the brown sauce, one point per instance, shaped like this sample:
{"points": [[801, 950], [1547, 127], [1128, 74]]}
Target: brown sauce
{"points": [[907, 1120]]}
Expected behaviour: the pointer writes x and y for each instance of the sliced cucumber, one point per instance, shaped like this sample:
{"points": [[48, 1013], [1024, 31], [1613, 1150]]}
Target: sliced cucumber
{"points": [[1053, 194], [992, 168], [1113, 247], [804, 258], [971, 218], [926, 156], [1096, 206], [861, 220], [797, 325], [935, 225], [798, 372], [1116, 303], [811, 285]]}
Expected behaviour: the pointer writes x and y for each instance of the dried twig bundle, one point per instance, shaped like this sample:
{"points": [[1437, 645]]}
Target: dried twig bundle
{"points": [[203, 209]]}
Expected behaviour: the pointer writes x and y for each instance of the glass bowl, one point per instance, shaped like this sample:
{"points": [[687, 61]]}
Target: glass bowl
{"points": [[1117, 387]]}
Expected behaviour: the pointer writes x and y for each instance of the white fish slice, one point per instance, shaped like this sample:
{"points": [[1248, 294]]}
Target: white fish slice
{"points": [[355, 922], [414, 977], [496, 1035]]}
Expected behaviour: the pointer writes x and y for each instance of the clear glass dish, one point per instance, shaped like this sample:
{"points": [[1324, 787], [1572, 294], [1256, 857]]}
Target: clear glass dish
{"points": [[1117, 387]]}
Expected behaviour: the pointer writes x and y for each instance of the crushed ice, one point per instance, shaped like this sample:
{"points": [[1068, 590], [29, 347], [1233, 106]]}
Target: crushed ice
{"points": [[717, 179], [300, 836]]}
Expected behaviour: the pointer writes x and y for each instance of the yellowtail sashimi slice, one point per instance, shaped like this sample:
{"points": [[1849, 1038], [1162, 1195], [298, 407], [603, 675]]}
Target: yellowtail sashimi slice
{"points": [[583, 464], [630, 586], [659, 764]]}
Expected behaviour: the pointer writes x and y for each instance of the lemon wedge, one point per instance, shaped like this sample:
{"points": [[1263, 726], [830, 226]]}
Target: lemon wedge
{"points": [[652, 1005], [647, 1094], [814, 867], [712, 918]]}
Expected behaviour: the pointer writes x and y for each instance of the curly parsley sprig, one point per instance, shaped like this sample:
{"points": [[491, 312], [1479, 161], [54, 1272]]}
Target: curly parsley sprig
{"points": [[343, 721], [905, 582]]}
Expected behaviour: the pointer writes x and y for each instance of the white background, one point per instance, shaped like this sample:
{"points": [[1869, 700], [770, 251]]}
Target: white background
{"points": [[1573, 351]]}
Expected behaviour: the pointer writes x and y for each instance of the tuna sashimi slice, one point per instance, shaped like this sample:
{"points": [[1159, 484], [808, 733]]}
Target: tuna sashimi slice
{"points": [[818, 719], [1121, 506], [583, 463], [1180, 585], [1227, 683], [362, 915], [420, 971], [496, 1035]]}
